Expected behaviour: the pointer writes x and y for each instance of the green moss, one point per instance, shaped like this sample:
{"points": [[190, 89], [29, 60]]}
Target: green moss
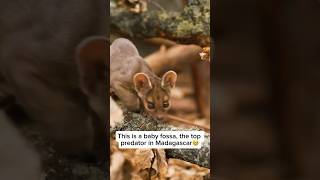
{"points": [[163, 16], [184, 27], [192, 23]]}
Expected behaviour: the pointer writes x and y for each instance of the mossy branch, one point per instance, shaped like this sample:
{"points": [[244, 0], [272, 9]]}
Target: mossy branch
{"points": [[191, 26]]}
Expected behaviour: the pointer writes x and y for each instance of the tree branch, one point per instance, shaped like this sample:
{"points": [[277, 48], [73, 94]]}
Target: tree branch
{"points": [[137, 122], [191, 26], [174, 58]]}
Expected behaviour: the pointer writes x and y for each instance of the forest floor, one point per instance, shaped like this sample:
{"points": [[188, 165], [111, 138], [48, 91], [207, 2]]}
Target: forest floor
{"points": [[55, 166]]}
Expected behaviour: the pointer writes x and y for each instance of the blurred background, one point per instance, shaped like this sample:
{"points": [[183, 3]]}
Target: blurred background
{"points": [[266, 119], [266, 86]]}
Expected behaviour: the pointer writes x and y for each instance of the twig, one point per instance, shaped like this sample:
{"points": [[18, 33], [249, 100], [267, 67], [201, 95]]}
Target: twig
{"points": [[160, 41], [201, 85], [157, 5], [187, 122], [173, 58]]}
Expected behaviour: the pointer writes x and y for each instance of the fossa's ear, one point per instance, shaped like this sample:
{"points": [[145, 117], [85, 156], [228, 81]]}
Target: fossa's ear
{"points": [[142, 83], [91, 58], [169, 79]]}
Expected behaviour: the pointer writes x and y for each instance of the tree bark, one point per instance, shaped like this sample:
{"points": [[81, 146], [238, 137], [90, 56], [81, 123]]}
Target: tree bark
{"points": [[137, 122], [191, 26]]}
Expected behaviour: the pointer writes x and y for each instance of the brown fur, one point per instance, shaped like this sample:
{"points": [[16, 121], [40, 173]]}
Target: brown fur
{"points": [[135, 84]]}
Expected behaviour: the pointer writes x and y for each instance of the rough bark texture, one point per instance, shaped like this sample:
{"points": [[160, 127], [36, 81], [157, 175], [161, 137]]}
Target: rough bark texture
{"points": [[137, 122], [191, 26]]}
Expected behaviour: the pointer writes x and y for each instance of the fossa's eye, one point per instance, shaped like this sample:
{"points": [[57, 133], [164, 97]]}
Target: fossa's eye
{"points": [[151, 105], [165, 104]]}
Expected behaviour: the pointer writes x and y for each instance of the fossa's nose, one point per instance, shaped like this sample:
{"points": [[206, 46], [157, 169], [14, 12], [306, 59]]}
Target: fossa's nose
{"points": [[160, 117]]}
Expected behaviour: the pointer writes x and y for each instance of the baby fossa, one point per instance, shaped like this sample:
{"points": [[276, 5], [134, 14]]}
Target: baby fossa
{"points": [[134, 83], [53, 64]]}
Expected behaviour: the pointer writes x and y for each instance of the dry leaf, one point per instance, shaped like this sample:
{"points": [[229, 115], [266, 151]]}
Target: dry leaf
{"points": [[142, 163], [160, 164], [120, 166], [135, 6], [113, 146], [205, 54], [178, 169], [116, 166], [147, 163], [151, 164]]}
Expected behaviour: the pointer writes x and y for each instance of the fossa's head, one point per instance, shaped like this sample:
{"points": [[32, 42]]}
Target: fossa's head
{"points": [[155, 93]]}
